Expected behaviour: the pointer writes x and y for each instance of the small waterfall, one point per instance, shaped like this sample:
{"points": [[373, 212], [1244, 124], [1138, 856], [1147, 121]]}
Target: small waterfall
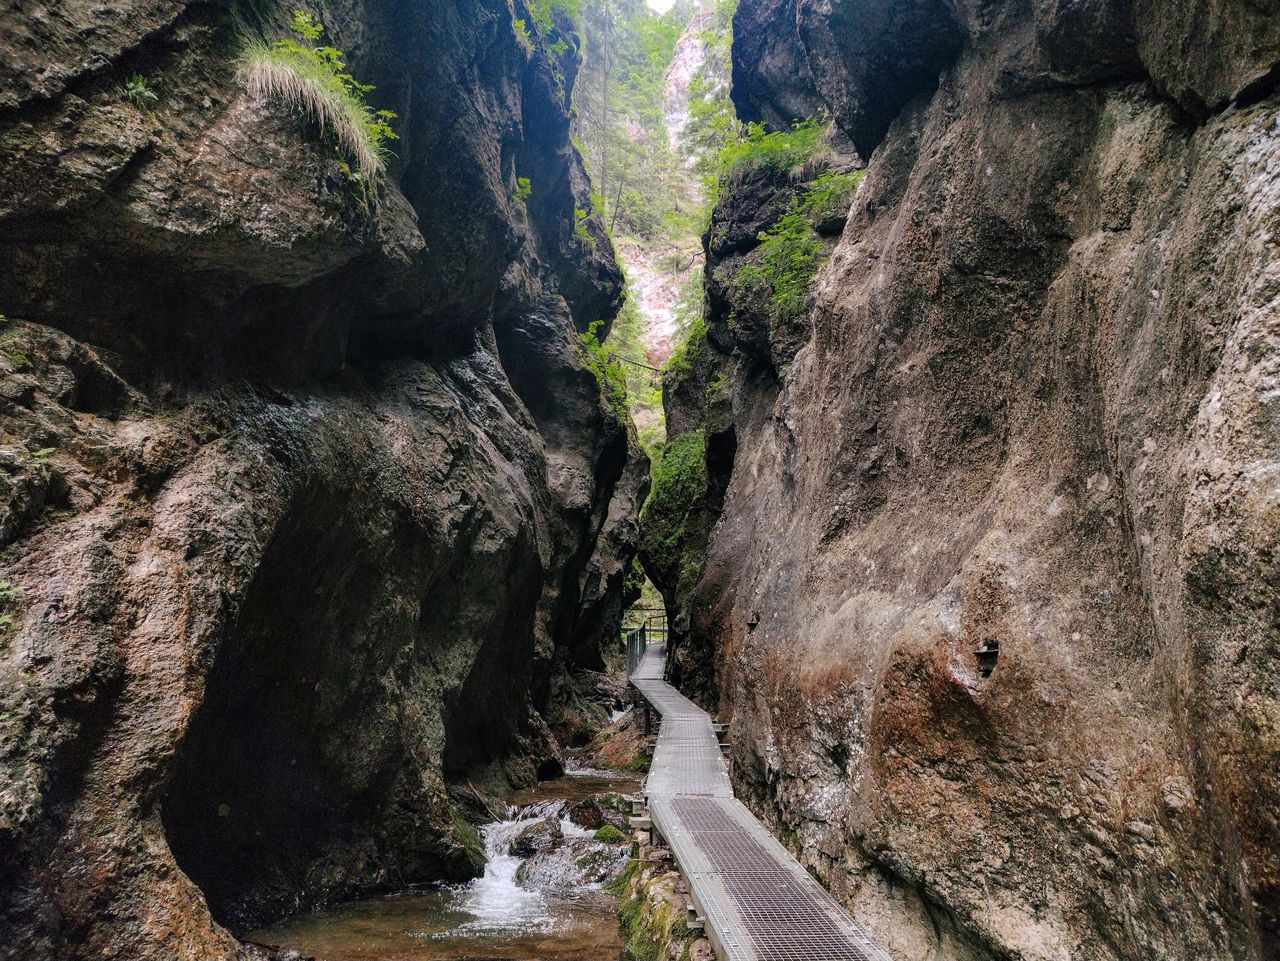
{"points": [[497, 902]]}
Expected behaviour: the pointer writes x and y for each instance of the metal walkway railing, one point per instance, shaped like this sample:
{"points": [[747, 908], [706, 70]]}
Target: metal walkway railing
{"points": [[652, 630], [758, 902]]}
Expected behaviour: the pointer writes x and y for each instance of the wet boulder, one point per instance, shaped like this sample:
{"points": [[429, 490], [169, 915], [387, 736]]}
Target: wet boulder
{"points": [[537, 837], [598, 810], [577, 862]]}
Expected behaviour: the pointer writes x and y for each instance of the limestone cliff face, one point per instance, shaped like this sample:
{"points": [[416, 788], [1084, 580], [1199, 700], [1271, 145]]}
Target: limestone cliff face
{"points": [[1035, 407], [307, 504]]}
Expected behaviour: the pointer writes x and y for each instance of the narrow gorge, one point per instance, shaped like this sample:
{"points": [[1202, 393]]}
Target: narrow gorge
{"points": [[368, 369]]}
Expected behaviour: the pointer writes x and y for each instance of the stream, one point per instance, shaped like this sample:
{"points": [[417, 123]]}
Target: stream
{"points": [[550, 916]]}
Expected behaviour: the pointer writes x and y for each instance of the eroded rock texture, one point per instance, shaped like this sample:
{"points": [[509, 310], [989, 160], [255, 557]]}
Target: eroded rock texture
{"points": [[307, 503], [1035, 408]]}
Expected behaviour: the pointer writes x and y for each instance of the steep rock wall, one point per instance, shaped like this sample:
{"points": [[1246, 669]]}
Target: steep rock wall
{"points": [[1036, 408], [308, 504]]}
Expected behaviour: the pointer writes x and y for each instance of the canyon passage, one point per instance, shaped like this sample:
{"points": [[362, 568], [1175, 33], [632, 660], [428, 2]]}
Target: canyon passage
{"points": [[427, 425]]}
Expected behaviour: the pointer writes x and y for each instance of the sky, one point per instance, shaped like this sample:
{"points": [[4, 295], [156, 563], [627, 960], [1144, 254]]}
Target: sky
{"points": [[662, 6]]}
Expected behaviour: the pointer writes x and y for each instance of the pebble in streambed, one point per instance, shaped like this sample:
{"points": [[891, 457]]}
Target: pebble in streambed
{"points": [[541, 897]]}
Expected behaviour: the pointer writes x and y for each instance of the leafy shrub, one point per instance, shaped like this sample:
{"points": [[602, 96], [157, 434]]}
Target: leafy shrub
{"points": [[608, 371], [312, 77], [680, 363], [41, 458], [543, 11], [790, 251], [789, 255], [138, 92], [523, 190], [609, 835], [829, 195], [580, 232], [776, 150], [522, 31]]}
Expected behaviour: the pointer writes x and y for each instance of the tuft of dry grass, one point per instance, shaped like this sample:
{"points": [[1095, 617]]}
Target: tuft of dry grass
{"points": [[272, 72]]}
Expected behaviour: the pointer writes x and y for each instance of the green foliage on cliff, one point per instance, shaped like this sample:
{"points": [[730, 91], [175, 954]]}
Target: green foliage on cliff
{"points": [[672, 538], [607, 370], [580, 232], [524, 188], [830, 194], [138, 91], [543, 12], [312, 78], [791, 251], [680, 363], [789, 255], [775, 149]]}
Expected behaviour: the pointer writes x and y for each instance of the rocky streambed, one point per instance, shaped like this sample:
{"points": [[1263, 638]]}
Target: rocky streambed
{"points": [[542, 895]]}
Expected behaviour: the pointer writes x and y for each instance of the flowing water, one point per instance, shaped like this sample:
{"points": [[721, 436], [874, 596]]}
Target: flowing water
{"points": [[493, 917]]}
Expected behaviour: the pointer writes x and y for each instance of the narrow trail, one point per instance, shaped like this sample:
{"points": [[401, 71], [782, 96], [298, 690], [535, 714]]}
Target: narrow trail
{"points": [[758, 902]]}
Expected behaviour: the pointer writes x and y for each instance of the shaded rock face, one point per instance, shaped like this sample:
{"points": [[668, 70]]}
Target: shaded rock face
{"points": [[308, 504], [1034, 413]]}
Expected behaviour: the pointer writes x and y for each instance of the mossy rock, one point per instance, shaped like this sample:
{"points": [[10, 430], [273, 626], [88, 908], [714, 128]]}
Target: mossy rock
{"points": [[610, 835], [675, 527]]}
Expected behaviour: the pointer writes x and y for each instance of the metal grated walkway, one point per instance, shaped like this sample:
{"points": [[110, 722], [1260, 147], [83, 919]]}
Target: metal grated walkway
{"points": [[758, 903]]}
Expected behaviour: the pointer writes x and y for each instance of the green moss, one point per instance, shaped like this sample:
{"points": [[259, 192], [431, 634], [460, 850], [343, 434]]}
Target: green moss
{"points": [[717, 388], [638, 764], [622, 883], [20, 360], [650, 921], [609, 835], [469, 839], [672, 534]]}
